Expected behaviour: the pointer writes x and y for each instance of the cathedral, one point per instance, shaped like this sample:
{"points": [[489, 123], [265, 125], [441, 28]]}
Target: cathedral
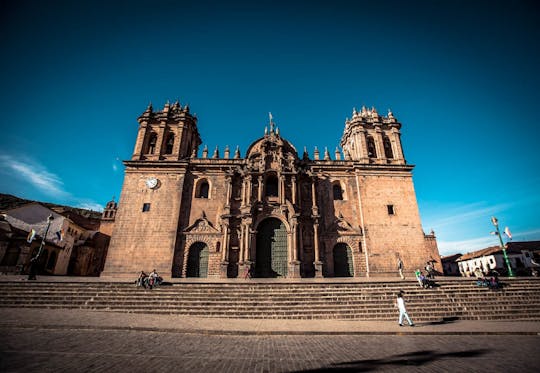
{"points": [[272, 211]]}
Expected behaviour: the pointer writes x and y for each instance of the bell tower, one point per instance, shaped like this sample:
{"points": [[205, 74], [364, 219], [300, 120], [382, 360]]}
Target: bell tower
{"points": [[372, 138], [169, 134]]}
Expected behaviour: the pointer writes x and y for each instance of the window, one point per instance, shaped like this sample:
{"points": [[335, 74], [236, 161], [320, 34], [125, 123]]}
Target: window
{"points": [[152, 143], [145, 207], [387, 148], [337, 192], [372, 153], [390, 209], [169, 144], [271, 186], [203, 189]]}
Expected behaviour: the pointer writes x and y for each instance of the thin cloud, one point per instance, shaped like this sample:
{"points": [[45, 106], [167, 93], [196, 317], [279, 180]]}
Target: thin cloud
{"points": [[467, 213], [44, 181], [35, 174], [478, 243], [465, 246], [90, 206]]}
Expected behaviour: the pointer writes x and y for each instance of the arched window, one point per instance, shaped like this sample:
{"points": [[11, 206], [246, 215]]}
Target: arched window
{"points": [[203, 189], [271, 186], [169, 144], [152, 143], [52, 261], [372, 153], [337, 192], [387, 148]]}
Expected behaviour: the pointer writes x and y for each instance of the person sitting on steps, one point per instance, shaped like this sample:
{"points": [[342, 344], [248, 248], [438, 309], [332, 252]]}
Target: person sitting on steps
{"points": [[154, 279], [142, 280]]}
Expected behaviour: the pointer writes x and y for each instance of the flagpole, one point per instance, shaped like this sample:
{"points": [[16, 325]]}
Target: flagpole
{"points": [[496, 224]]}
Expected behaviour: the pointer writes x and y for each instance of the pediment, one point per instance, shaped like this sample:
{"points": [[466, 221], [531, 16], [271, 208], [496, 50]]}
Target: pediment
{"points": [[201, 225], [342, 225]]}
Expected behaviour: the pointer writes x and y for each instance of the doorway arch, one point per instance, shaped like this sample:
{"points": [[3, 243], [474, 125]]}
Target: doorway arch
{"points": [[343, 261], [271, 258], [197, 263]]}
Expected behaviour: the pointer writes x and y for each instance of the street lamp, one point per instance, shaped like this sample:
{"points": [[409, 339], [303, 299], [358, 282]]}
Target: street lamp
{"points": [[34, 260], [496, 224]]}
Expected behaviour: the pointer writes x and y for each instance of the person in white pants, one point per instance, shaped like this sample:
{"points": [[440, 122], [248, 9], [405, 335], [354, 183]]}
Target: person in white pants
{"points": [[402, 310]]}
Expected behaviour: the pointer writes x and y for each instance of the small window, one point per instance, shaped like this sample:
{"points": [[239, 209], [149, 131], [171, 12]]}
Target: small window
{"points": [[271, 186], [390, 209], [387, 148], [372, 153], [337, 192], [145, 207], [152, 143], [169, 144], [203, 189]]}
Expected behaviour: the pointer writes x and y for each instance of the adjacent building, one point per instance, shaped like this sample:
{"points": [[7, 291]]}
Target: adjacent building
{"points": [[74, 243], [522, 256], [280, 212]]}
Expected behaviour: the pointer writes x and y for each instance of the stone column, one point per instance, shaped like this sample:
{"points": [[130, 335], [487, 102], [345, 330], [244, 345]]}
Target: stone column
{"points": [[315, 215], [317, 263], [281, 189], [178, 141], [381, 157], [293, 187], [225, 253], [159, 141], [228, 179], [249, 186], [396, 145], [243, 193], [314, 207], [259, 192], [139, 144], [363, 142], [241, 243]]}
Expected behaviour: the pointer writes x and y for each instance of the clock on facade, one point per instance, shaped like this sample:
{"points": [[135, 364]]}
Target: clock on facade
{"points": [[151, 182]]}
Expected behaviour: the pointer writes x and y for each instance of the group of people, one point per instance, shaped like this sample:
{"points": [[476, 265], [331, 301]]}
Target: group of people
{"points": [[149, 281], [426, 281], [491, 282]]}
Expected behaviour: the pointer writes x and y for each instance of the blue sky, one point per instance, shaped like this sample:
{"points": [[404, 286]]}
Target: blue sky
{"points": [[461, 76]]}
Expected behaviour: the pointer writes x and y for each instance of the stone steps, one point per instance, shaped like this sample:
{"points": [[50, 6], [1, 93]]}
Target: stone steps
{"points": [[519, 299]]}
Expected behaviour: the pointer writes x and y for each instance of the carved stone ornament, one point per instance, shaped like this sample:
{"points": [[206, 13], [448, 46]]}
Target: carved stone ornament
{"points": [[341, 225], [201, 225]]}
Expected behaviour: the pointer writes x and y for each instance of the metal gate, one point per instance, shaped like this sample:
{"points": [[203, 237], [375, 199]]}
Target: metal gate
{"points": [[271, 251], [343, 263], [197, 264]]}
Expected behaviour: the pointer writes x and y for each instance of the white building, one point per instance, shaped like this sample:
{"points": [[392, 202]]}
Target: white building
{"points": [[520, 256]]}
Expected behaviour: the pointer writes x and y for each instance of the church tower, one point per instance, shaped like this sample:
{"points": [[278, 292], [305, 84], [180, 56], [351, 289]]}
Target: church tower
{"points": [[144, 235], [170, 134], [371, 138]]}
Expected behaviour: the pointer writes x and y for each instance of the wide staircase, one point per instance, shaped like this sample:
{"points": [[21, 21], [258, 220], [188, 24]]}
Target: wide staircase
{"points": [[519, 299]]}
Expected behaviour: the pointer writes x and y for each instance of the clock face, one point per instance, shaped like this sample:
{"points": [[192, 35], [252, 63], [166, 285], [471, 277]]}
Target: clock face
{"points": [[151, 182]]}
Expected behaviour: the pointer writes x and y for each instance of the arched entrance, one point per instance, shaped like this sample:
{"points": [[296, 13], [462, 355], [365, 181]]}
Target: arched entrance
{"points": [[197, 263], [271, 255], [343, 262]]}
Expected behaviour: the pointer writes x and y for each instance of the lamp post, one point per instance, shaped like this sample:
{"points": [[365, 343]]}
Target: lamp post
{"points": [[496, 224], [34, 260]]}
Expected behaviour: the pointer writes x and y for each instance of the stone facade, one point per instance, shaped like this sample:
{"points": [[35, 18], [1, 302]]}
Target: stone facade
{"points": [[273, 211]]}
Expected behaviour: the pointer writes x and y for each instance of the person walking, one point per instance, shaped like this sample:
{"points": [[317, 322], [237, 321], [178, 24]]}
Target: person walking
{"points": [[400, 268], [400, 304]]}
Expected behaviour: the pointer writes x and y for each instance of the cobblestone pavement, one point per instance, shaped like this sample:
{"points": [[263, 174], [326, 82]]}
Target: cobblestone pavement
{"points": [[72, 350]]}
